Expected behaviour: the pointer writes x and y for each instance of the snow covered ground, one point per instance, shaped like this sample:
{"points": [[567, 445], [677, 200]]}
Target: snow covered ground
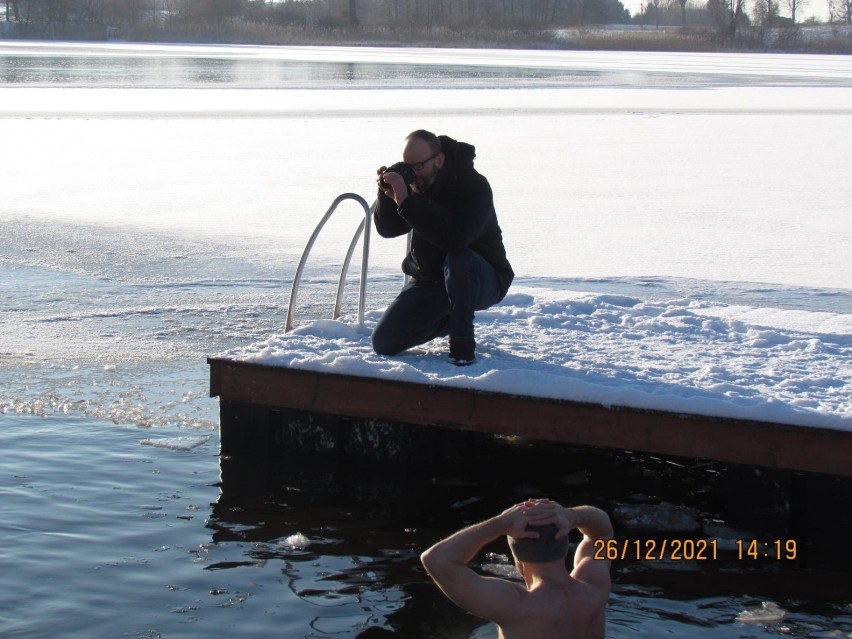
{"points": [[677, 355]]}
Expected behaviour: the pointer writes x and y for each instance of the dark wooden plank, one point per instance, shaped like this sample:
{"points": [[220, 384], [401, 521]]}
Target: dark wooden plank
{"points": [[728, 440]]}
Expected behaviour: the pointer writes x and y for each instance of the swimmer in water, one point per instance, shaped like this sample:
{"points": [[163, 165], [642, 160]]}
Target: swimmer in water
{"points": [[555, 604]]}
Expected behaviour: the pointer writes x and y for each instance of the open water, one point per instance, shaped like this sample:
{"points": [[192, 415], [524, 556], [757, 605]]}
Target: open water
{"points": [[116, 531], [118, 518]]}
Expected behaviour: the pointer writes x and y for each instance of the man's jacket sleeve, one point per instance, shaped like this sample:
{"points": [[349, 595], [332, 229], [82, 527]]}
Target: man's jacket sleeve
{"points": [[387, 219]]}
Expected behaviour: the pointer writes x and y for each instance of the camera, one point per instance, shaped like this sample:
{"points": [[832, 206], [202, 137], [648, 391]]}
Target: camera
{"points": [[402, 169]]}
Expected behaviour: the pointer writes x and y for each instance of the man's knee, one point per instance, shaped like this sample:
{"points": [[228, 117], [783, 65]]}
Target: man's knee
{"points": [[460, 261], [382, 344]]}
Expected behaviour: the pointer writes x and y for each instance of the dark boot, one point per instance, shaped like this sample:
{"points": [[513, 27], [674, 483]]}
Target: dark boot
{"points": [[462, 351]]}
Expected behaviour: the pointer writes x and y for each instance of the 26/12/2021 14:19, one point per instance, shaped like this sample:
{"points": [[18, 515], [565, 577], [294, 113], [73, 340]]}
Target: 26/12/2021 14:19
{"points": [[691, 549]]}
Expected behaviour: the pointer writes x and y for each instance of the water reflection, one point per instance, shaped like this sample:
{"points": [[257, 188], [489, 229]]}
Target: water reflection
{"points": [[346, 536], [59, 70], [346, 540], [210, 71], [184, 66], [182, 71]]}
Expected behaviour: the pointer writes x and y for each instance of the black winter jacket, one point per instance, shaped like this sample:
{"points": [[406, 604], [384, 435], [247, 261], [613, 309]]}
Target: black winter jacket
{"points": [[455, 213]]}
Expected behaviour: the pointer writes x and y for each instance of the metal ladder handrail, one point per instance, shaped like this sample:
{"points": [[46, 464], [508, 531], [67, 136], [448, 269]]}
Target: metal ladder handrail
{"points": [[363, 228]]}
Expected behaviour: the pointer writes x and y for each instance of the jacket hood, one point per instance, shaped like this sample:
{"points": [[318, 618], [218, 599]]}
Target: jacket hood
{"points": [[459, 155]]}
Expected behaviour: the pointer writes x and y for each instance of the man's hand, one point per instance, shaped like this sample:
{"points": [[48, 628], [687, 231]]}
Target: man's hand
{"points": [[515, 520], [540, 512], [384, 187], [392, 185]]}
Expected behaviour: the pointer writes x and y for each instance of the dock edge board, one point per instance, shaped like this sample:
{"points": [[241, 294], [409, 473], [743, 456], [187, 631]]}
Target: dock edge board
{"points": [[728, 440]]}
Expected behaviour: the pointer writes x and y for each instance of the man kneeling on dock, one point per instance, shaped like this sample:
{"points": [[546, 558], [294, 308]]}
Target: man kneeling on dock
{"points": [[457, 260], [554, 604]]}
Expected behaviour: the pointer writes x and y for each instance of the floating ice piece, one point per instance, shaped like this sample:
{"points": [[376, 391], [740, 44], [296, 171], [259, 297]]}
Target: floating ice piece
{"points": [[463, 503], [177, 443], [295, 542], [725, 537], [506, 571], [769, 612], [660, 517]]}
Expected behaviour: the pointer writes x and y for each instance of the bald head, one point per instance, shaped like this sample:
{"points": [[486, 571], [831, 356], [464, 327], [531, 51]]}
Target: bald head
{"points": [[423, 153]]}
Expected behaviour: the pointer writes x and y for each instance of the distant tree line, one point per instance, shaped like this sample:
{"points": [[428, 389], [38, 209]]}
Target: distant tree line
{"points": [[768, 22], [388, 21], [321, 15], [764, 13]]}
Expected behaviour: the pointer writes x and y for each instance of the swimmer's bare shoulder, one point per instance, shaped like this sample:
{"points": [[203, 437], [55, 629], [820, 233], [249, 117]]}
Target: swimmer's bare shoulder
{"points": [[554, 604], [575, 612]]}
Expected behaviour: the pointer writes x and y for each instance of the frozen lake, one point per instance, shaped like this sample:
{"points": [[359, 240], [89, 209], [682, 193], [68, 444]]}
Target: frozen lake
{"points": [[159, 196], [712, 167], [154, 205]]}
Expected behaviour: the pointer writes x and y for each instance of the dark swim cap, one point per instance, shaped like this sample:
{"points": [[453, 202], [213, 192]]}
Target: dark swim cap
{"points": [[544, 549]]}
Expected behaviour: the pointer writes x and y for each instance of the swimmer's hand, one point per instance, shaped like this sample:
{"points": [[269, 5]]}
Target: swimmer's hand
{"points": [[540, 512], [515, 521], [592, 522]]}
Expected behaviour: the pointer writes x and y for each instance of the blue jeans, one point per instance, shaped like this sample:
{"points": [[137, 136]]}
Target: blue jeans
{"points": [[423, 311]]}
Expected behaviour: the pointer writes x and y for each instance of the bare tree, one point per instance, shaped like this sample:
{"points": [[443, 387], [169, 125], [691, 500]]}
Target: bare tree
{"points": [[793, 6], [682, 4], [728, 14], [765, 12], [656, 4], [835, 13], [16, 13]]}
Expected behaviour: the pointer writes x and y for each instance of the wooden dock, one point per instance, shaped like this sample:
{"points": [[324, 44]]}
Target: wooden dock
{"points": [[243, 386]]}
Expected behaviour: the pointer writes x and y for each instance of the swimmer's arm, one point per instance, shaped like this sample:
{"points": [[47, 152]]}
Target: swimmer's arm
{"points": [[595, 525], [447, 563]]}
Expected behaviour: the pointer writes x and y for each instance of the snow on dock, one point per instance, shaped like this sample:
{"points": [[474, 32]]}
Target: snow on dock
{"points": [[680, 376]]}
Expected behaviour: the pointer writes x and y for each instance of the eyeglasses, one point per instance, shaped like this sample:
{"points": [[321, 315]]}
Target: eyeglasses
{"points": [[418, 166]]}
